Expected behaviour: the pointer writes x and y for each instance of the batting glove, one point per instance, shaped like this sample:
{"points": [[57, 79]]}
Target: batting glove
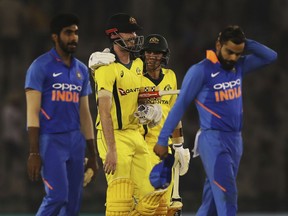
{"points": [[98, 59], [182, 156], [149, 114]]}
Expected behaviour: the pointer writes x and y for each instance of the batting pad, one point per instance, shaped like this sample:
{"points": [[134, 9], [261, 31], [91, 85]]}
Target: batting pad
{"points": [[148, 204], [119, 200], [174, 207], [162, 209]]}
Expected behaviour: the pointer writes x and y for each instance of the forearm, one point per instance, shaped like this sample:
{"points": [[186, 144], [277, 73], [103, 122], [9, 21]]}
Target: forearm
{"points": [[87, 130], [92, 152], [87, 127], [260, 50], [177, 135], [33, 136], [86, 119], [33, 129], [169, 126], [108, 130], [33, 101], [191, 85], [104, 106]]}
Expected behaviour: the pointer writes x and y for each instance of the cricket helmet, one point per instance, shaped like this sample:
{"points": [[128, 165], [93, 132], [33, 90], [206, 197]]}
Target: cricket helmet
{"points": [[156, 43], [124, 23]]}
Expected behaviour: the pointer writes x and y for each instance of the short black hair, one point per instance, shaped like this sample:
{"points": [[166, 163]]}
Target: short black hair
{"points": [[232, 33], [61, 21]]}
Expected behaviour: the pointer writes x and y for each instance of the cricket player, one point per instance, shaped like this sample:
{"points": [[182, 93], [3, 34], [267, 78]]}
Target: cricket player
{"points": [[59, 121], [215, 84], [121, 146], [155, 54]]}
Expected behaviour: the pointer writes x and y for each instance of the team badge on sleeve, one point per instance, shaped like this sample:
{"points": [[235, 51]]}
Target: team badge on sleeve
{"points": [[78, 74]]}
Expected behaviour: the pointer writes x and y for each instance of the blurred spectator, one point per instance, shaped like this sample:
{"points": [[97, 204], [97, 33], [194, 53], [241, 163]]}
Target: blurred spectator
{"points": [[38, 27], [13, 150], [12, 16]]}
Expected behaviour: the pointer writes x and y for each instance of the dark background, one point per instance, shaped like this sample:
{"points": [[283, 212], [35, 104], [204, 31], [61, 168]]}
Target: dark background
{"points": [[190, 27]]}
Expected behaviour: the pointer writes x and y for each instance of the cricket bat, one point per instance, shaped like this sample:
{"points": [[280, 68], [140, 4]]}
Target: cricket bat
{"points": [[176, 199], [155, 94]]}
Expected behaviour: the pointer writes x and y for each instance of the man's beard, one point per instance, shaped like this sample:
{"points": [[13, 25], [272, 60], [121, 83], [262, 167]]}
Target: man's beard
{"points": [[226, 65], [66, 48]]}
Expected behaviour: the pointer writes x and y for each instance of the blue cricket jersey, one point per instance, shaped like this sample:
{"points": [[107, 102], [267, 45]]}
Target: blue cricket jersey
{"points": [[61, 87], [217, 92]]}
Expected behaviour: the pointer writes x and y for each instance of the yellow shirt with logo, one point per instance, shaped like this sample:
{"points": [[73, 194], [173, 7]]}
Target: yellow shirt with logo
{"points": [[124, 84], [169, 82]]}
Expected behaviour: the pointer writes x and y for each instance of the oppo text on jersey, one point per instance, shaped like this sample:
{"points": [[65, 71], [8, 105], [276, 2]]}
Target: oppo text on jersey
{"points": [[226, 85], [66, 86], [66, 92]]}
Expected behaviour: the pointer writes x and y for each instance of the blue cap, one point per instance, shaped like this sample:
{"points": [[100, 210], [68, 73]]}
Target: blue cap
{"points": [[161, 174]]}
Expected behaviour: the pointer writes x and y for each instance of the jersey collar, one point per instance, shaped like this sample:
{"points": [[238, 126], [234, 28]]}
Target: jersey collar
{"points": [[211, 56], [56, 56], [155, 81]]}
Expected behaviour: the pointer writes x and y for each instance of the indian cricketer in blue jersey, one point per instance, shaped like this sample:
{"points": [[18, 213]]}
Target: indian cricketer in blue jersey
{"points": [[215, 84], [58, 120]]}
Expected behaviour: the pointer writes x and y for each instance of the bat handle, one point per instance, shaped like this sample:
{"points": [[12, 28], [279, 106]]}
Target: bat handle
{"points": [[178, 213]]}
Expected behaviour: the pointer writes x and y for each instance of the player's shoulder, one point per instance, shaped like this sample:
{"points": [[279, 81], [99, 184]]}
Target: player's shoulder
{"points": [[202, 66], [200, 70], [80, 63], [107, 70], [83, 67], [167, 71], [195, 68], [40, 62], [138, 61], [42, 59]]}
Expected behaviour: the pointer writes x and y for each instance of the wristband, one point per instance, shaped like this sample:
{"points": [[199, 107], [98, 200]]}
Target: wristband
{"points": [[34, 154]]}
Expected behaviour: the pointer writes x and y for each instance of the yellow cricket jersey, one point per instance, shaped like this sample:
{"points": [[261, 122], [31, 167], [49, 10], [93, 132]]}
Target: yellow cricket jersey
{"points": [[124, 84], [168, 82]]}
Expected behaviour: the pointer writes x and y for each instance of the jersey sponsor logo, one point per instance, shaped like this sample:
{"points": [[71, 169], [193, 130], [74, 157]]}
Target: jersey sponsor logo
{"points": [[57, 74], [228, 90], [127, 91], [66, 92], [214, 74], [148, 89], [66, 96], [229, 94], [122, 91], [156, 101], [226, 85], [66, 86]]}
